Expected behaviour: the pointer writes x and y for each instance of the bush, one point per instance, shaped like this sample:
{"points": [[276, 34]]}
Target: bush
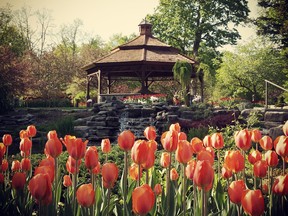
{"points": [[56, 102]]}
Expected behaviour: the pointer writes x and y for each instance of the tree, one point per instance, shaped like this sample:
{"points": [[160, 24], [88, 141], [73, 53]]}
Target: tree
{"points": [[242, 73]]}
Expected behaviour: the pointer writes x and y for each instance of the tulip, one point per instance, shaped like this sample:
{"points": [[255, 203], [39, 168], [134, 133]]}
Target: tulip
{"points": [[109, 174], [184, 152], [165, 159], [97, 169], [31, 131], [91, 157], [271, 158], [234, 160], [210, 150], [75, 146], [182, 136], [25, 145], [174, 174], [265, 189], [217, 141], [16, 165], [49, 161], [254, 156], [150, 133], [226, 172], [53, 147], [207, 142], [256, 135], [7, 139], [40, 188], [4, 165], [203, 174], [45, 170], [253, 202], [25, 164], [134, 172], [175, 127], [169, 140], [85, 195], [52, 135], [157, 189], [126, 140], [280, 185], [285, 128], [67, 182], [149, 163], [23, 134], [2, 151], [197, 144], [18, 181], [190, 168], [143, 199], [235, 191], [105, 146], [205, 155], [243, 139], [71, 165], [152, 145], [139, 152], [281, 147], [266, 143]]}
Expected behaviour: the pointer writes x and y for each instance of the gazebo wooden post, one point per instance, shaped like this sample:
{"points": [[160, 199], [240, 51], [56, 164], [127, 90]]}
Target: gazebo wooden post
{"points": [[88, 88], [108, 84], [98, 74]]}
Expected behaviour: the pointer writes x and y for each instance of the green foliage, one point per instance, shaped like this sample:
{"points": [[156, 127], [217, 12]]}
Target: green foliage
{"points": [[46, 103], [200, 132]]}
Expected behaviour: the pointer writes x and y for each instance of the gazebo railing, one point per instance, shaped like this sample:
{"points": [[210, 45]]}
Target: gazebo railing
{"points": [[266, 90]]}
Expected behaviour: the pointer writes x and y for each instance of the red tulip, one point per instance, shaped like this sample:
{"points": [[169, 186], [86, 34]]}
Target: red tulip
{"points": [[126, 140], [285, 128], [2, 151], [165, 159], [197, 145], [234, 160], [40, 188], [205, 155], [71, 165], [143, 199], [280, 185], [207, 142], [169, 140], [7, 139], [266, 143], [152, 145], [25, 145], [260, 168], [157, 189], [150, 133], [174, 174], [150, 160], [134, 172], [4, 165], [97, 169], [109, 174], [16, 165], [256, 135], [45, 170], [190, 169], [31, 131], [91, 157], [235, 191], [23, 134], [184, 152], [85, 195], [243, 139], [139, 152], [282, 146], [254, 156], [75, 146], [271, 158], [18, 181], [253, 202], [175, 127], [48, 161], [203, 174], [53, 147], [265, 188], [67, 182], [52, 135], [25, 164], [105, 146], [217, 141], [226, 172], [182, 136]]}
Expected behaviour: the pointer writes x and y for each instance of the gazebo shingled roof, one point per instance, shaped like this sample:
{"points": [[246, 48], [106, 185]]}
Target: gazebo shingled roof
{"points": [[144, 58]]}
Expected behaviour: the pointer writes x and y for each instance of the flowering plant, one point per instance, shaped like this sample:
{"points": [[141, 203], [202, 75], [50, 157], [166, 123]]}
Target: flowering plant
{"points": [[145, 99]]}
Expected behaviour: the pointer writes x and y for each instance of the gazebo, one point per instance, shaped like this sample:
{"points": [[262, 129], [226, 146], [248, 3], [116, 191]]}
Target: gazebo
{"points": [[145, 59]]}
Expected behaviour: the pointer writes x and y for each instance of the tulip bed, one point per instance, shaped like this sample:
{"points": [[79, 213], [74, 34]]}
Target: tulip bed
{"points": [[196, 177]]}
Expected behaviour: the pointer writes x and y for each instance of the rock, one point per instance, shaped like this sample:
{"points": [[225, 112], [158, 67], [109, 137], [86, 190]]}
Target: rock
{"points": [[275, 132], [276, 116]]}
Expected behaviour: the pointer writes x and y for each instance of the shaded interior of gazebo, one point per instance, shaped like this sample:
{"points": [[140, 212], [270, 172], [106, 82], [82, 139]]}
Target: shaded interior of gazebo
{"points": [[145, 59]]}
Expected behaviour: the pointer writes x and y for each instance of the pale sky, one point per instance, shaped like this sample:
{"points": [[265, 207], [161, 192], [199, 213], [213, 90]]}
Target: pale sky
{"points": [[105, 17]]}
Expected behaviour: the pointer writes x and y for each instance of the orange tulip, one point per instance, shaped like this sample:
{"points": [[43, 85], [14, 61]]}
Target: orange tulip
{"points": [[139, 152], [175, 127], [256, 135], [25, 153], [109, 174], [150, 133], [85, 195], [271, 158], [197, 144], [205, 155], [253, 202], [31, 131], [157, 189], [254, 156], [217, 141], [211, 151], [226, 172], [45, 170], [235, 191], [285, 128], [282, 146], [71, 165], [189, 169], [4, 165], [40, 188], [152, 145], [23, 134], [260, 168], [126, 140], [207, 142], [169, 140], [25, 164], [203, 174], [143, 199], [25, 145], [2, 151], [134, 172], [53, 147], [234, 160], [243, 139], [67, 182], [280, 185], [174, 174], [149, 163], [266, 143], [48, 161], [1, 178], [52, 135], [91, 157], [184, 152], [165, 159], [16, 165], [97, 169], [7, 139], [105, 146], [18, 181], [75, 146], [182, 136]]}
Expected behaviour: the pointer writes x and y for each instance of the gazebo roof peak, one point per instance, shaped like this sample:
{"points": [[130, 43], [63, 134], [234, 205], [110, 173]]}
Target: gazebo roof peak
{"points": [[145, 28]]}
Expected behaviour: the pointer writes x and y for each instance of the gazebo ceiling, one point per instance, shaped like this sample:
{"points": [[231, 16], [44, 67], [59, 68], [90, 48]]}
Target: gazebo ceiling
{"points": [[144, 57]]}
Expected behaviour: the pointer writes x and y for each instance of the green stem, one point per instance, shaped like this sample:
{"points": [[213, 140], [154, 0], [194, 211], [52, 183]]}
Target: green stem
{"points": [[7, 171], [55, 200], [30, 158], [74, 187], [125, 181], [270, 176], [139, 175], [184, 191], [147, 176], [238, 210], [106, 158], [108, 201], [243, 153], [218, 157], [93, 185], [168, 183], [255, 183], [203, 202]]}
